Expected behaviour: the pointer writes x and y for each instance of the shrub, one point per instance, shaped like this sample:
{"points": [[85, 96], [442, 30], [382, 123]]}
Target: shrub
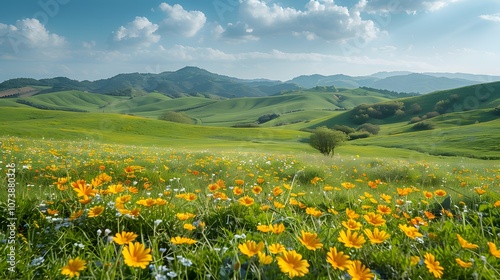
{"points": [[415, 120], [344, 128], [267, 117], [175, 117], [415, 108], [496, 111], [432, 114], [325, 140], [370, 128], [359, 135], [423, 126]]}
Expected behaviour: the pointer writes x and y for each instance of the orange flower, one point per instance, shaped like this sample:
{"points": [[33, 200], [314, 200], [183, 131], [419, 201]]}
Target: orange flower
{"points": [[239, 182], [352, 224], [276, 248], [314, 212], [246, 200], [433, 265], [429, 215], [95, 211], [277, 191], [337, 259], [238, 191], [377, 236], [428, 195], [374, 219], [277, 228], [310, 240], [256, 189], [351, 239], [465, 244], [493, 249], [250, 248], [462, 263], [440, 192], [384, 209], [351, 214], [347, 185], [124, 237], [213, 187], [411, 232]]}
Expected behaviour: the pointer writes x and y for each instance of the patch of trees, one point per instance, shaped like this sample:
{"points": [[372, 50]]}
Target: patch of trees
{"points": [[496, 111], [423, 125], [175, 117], [363, 131], [45, 107], [325, 140], [245, 125], [444, 106], [267, 117], [390, 92], [325, 88], [362, 113]]}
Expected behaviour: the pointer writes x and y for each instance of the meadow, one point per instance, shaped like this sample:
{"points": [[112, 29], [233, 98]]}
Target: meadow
{"points": [[101, 210]]}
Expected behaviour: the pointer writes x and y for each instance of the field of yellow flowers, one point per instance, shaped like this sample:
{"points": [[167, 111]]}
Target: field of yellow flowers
{"points": [[98, 211]]}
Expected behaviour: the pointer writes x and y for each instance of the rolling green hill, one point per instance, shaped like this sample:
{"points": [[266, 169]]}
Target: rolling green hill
{"points": [[463, 120], [132, 130], [476, 97], [292, 107]]}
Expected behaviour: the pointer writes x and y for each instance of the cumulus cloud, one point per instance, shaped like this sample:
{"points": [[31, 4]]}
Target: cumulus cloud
{"points": [[319, 19], [140, 32], [403, 6], [28, 34], [180, 21], [492, 17]]}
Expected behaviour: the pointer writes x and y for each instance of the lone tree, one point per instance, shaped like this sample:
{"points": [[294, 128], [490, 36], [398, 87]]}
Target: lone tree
{"points": [[325, 140]]}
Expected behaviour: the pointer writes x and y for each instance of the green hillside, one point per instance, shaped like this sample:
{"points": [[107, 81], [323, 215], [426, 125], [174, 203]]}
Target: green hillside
{"points": [[132, 130], [463, 120], [292, 107], [427, 106]]}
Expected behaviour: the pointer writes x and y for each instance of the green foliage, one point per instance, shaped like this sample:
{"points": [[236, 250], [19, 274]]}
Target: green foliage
{"points": [[423, 125], [496, 111], [175, 117], [370, 128], [359, 135], [326, 140], [415, 108], [364, 112], [344, 128], [267, 117]]}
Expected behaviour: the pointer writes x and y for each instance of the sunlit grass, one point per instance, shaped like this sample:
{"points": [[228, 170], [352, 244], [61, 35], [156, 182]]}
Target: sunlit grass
{"points": [[245, 215]]}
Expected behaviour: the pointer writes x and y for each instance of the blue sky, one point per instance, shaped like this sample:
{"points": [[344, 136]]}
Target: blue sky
{"points": [[94, 39]]}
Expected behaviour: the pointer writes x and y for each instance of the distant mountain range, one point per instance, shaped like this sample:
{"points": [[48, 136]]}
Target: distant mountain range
{"points": [[397, 81], [193, 81]]}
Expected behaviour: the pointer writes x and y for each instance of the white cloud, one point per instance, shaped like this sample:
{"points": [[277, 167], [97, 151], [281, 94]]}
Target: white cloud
{"points": [[140, 32], [319, 19], [28, 34], [403, 6], [180, 21], [491, 17]]}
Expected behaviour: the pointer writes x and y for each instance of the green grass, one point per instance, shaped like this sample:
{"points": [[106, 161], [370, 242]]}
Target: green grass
{"points": [[300, 192], [124, 129], [208, 111], [479, 140]]}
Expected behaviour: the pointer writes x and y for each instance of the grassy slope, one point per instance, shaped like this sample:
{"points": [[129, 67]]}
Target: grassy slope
{"points": [[124, 129], [456, 133], [209, 111], [469, 98]]}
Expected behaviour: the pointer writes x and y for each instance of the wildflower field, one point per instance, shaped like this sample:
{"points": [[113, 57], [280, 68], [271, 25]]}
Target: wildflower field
{"points": [[101, 211]]}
